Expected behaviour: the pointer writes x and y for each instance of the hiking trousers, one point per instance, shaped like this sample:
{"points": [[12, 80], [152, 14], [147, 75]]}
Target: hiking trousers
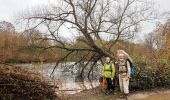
{"points": [[109, 83], [124, 84]]}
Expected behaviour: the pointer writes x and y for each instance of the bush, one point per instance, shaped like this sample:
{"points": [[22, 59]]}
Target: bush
{"points": [[150, 77]]}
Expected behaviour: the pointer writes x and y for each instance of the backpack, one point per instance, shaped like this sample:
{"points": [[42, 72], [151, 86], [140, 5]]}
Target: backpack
{"points": [[111, 67], [132, 69]]}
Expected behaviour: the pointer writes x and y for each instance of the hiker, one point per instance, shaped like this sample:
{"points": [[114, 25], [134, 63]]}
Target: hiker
{"points": [[124, 71], [108, 72]]}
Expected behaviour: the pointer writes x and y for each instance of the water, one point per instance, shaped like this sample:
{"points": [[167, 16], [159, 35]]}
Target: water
{"points": [[66, 76]]}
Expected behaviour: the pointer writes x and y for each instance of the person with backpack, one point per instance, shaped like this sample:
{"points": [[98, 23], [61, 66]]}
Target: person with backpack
{"points": [[124, 61], [108, 72]]}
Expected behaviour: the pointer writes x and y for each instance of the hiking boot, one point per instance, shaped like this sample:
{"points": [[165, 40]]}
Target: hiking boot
{"points": [[114, 93], [126, 96], [107, 92]]}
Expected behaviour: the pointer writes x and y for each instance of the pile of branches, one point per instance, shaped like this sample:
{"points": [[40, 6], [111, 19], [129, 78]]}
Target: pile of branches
{"points": [[16, 84]]}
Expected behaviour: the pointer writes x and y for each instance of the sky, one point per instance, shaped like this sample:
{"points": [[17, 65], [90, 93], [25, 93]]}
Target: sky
{"points": [[10, 8]]}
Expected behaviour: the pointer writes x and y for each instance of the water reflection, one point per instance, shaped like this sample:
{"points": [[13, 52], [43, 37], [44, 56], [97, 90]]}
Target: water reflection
{"points": [[67, 77]]}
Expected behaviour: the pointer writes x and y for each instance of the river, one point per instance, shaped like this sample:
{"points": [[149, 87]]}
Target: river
{"points": [[66, 76]]}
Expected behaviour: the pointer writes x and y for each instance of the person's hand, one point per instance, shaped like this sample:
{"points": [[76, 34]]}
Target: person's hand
{"points": [[116, 62], [127, 78]]}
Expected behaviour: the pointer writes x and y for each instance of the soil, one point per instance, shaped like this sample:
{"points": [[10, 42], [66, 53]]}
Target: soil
{"points": [[97, 94]]}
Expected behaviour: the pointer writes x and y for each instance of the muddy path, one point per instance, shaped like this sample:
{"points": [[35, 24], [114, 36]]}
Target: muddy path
{"points": [[96, 94], [152, 95]]}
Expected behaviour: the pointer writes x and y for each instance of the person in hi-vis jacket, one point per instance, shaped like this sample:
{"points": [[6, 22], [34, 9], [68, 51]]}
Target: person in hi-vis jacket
{"points": [[108, 73]]}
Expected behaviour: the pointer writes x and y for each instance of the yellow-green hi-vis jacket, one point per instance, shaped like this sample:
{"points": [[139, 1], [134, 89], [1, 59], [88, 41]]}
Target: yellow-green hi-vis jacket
{"points": [[108, 71]]}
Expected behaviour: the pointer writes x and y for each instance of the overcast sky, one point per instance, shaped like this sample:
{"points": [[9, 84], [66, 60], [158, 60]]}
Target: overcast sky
{"points": [[10, 8]]}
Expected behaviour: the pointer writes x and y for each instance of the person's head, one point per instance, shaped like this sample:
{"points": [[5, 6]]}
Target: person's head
{"points": [[107, 60], [121, 57]]}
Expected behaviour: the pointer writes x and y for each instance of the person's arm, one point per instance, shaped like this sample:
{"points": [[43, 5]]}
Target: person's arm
{"points": [[102, 72], [128, 70], [113, 70]]}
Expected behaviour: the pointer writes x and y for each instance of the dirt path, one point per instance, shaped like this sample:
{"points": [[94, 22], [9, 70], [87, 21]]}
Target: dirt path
{"points": [[154, 95], [158, 97], [96, 94]]}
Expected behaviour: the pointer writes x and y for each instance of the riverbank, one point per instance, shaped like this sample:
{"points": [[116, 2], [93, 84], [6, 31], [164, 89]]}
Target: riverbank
{"points": [[97, 94], [18, 84]]}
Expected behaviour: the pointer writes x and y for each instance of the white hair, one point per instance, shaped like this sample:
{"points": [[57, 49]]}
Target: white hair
{"points": [[119, 52]]}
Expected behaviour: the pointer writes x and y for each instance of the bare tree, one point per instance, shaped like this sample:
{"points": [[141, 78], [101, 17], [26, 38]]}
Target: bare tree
{"points": [[97, 21]]}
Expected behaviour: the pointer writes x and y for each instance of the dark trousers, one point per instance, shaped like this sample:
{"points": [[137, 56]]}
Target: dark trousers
{"points": [[109, 84]]}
